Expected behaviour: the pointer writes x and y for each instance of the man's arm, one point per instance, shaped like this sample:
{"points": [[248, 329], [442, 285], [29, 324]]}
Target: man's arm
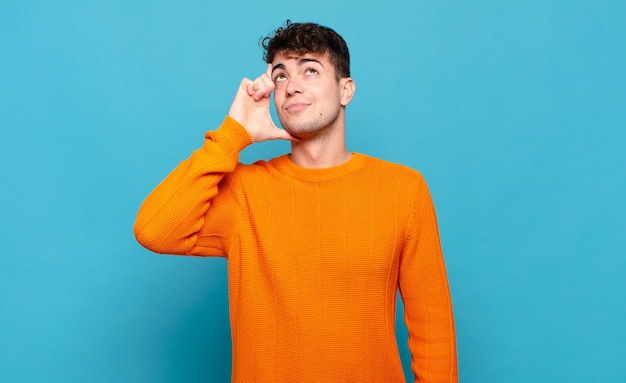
{"points": [[426, 296], [171, 216]]}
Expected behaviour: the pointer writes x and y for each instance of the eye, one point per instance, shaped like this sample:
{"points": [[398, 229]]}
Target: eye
{"points": [[311, 71], [280, 77]]}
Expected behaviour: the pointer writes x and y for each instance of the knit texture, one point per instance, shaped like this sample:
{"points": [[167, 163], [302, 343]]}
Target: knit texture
{"points": [[315, 258]]}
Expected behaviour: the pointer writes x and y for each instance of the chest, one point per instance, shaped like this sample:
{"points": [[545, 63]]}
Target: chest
{"points": [[354, 228]]}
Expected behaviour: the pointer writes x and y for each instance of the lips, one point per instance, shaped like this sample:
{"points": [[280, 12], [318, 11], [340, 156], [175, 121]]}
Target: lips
{"points": [[296, 106]]}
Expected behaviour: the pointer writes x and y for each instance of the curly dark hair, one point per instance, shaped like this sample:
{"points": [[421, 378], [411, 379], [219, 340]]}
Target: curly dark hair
{"points": [[301, 38]]}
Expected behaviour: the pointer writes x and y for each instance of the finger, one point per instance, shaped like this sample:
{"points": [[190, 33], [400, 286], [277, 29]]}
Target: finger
{"points": [[248, 86], [267, 80], [268, 71], [265, 86], [268, 85], [258, 89]]}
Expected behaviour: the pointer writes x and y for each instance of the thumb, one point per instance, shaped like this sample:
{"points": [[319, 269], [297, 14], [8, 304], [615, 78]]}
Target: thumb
{"points": [[282, 134]]}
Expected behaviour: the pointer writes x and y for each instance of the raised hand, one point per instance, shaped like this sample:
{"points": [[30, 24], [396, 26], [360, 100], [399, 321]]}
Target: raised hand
{"points": [[251, 108]]}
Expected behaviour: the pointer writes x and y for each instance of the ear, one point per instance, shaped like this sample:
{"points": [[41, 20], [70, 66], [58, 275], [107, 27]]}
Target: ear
{"points": [[347, 87]]}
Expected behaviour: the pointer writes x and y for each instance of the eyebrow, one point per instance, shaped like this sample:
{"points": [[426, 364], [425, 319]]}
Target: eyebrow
{"points": [[301, 62]]}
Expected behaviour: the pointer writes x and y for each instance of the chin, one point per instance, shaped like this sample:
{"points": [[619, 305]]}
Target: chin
{"points": [[309, 128], [305, 134]]}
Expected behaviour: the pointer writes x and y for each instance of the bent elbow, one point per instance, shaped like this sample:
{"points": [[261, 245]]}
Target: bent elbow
{"points": [[148, 238]]}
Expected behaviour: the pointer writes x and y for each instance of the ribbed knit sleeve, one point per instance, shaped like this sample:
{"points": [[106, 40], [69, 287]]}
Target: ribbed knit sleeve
{"points": [[425, 293], [170, 218]]}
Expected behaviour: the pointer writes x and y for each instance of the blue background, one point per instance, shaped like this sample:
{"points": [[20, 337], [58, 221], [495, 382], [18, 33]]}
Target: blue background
{"points": [[515, 112]]}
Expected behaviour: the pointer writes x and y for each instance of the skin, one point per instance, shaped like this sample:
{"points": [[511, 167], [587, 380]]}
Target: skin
{"points": [[310, 102]]}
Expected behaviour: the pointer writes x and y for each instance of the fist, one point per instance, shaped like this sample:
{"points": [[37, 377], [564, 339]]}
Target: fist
{"points": [[251, 108]]}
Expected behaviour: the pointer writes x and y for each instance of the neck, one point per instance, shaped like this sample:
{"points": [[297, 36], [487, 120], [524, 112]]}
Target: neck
{"points": [[321, 152]]}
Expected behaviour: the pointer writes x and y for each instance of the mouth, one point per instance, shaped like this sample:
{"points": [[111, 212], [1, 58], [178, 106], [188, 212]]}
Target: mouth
{"points": [[296, 107]]}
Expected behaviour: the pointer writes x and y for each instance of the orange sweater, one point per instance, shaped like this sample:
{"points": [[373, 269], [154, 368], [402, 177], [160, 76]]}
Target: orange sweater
{"points": [[315, 257]]}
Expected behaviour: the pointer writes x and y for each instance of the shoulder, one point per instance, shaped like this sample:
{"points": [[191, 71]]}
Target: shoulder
{"points": [[392, 170], [397, 180], [258, 167], [252, 172]]}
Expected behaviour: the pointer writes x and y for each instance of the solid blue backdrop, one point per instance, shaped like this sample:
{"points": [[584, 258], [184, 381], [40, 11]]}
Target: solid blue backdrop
{"points": [[515, 112]]}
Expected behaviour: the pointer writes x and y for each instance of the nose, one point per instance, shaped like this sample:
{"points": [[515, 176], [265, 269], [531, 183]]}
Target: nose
{"points": [[293, 87]]}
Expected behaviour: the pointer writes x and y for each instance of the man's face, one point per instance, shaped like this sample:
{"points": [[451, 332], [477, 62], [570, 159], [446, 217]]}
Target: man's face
{"points": [[308, 96]]}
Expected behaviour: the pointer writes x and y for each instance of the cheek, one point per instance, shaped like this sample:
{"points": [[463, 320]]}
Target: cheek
{"points": [[277, 100]]}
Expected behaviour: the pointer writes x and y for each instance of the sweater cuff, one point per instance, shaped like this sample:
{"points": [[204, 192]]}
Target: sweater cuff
{"points": [[235, 133]]}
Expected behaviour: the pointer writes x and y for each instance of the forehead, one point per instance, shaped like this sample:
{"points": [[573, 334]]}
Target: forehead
{"points": [[294, 58]]}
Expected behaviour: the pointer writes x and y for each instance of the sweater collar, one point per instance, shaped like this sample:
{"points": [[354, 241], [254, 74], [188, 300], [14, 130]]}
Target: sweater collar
{"points": [[284, 165]]}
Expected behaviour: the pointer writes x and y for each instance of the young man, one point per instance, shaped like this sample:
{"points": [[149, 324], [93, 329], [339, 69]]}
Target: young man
{"points": [[319, 240]]}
